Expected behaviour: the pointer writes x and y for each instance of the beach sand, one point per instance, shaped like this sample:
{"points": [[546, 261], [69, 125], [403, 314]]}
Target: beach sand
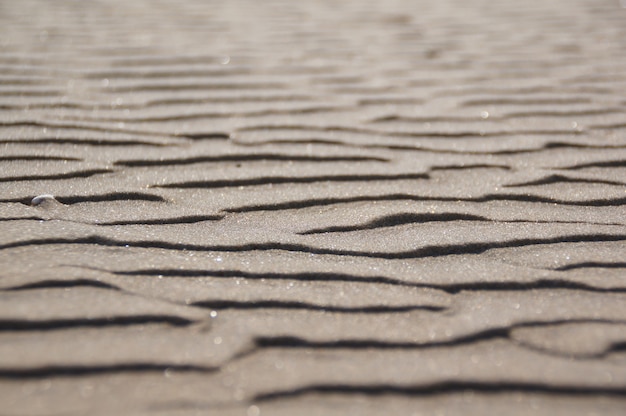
{"points": [[281, 208]]}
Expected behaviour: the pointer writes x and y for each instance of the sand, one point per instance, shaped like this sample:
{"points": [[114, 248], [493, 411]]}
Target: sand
{"points": [[274, 208]]}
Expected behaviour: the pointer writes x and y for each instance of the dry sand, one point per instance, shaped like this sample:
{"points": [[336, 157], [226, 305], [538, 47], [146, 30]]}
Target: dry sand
{"points": [[282, 208]]}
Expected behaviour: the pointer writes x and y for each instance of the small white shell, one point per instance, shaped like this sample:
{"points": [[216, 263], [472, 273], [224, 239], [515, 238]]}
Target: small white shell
{"points": [[40, 199]]}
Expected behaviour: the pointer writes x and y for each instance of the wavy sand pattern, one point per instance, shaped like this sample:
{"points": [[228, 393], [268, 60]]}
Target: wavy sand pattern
{"points": [[286, 208]]}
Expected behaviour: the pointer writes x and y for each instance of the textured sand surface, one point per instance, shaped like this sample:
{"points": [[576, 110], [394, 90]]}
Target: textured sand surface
{"points": [[275, 208]]}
